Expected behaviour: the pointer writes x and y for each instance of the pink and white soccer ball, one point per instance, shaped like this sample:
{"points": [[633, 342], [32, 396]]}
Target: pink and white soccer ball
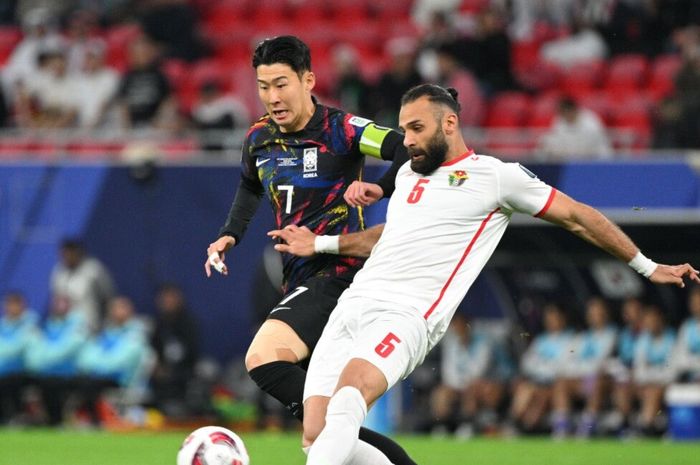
{"points": [[213, 445]]}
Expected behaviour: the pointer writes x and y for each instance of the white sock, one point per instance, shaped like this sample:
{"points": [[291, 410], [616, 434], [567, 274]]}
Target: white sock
{"points": [[336, 443], [367, 454]]}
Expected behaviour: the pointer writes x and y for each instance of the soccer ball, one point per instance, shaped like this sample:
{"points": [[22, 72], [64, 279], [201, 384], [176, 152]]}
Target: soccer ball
{"points": [[212, 445]]}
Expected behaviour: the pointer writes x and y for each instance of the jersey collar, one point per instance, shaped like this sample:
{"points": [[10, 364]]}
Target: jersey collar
{"points": [[466, 154]]}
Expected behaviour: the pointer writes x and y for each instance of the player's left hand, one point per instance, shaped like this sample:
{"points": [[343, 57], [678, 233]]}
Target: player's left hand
{"points": [[363, 194], [297, 240], [674, 274]]}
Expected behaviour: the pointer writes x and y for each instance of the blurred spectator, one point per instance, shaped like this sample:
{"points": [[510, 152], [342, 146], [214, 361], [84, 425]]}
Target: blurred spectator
{"points": [[540, 365], [40, 32], [144, 97], [583, 372], [54, 8], [51, 97], [98, 84], [470, 391], [620, 368], [351, 91], [401, 76], [452, 74], [52, 355], [687, 83], [80, 34], [84, 280], [113, 357], [176, 345], [17, 325], [424, 11], [687, 353], [528, 13], [173, 24], [583, 45], [110, 12], [487, 53], [576, 132], [653, 369], [7, 11], [216, 114]]}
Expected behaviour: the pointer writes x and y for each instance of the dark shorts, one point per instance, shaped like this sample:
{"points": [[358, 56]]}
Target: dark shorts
{"points": [[307, 308]]}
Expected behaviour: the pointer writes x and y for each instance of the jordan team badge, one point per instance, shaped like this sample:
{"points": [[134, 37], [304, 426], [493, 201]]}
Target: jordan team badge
{"points": [[457, 178]]}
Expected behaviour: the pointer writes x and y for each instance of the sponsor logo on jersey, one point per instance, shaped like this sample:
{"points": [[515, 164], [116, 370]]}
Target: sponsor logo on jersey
{"points": [[359, 122], [457, 178], [260, 161], [310, 162]]}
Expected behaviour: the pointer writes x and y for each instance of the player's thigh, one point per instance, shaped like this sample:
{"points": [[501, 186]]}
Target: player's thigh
{"points": [[275, 341], [306, 309], [332, 352], [393, 342]]}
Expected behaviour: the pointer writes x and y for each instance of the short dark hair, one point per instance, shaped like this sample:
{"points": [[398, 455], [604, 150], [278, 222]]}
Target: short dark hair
{"points": [[288, 50], [73, 243], [436, 94]]}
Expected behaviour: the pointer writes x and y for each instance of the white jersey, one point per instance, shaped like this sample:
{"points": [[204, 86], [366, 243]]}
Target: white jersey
{"points": [[440, 231]]}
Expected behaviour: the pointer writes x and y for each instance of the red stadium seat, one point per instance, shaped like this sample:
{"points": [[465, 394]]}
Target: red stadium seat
{"points": [[581, 76], [597, 101], [508, 109], [543, 110], [348, 11], [663, 73], [627, 72], [9, 38], [473, 6]]}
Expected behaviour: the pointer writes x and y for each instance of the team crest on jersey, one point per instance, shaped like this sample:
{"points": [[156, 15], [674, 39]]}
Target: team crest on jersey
{"points": [[310, 162], [457, 178]]}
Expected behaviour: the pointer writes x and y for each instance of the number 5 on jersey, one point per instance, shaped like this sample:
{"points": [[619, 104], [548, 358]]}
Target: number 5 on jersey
{"points": [[417, 192], [387, 346]]}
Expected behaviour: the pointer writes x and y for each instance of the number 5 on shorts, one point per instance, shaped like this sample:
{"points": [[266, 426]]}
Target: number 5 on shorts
{"points": [[386, 347]]}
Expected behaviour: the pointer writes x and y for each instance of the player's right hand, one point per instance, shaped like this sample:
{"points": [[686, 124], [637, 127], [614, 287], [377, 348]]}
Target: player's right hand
{"points": [[362, 194], [674, 274], [216, 254]]}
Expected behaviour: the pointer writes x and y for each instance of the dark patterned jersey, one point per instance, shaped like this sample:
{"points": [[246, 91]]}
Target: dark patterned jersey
{"points": [[304, 175]]}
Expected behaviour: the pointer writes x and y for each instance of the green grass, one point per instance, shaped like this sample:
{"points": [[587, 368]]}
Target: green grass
{"points": [[49, 447]]}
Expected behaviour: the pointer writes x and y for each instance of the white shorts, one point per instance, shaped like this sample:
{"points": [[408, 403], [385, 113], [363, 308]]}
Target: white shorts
{"points": [[394, 341]]}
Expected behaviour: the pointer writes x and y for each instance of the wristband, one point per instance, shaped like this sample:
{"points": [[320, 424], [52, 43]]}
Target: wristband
{"points": [[327, 244], [642, 265]]}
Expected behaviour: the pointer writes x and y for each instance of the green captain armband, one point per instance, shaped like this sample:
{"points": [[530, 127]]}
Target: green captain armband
{"points": [[371, 140]]}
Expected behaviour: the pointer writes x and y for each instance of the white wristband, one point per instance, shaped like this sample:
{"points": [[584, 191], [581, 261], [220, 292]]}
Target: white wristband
{"points": [[327, 244], [642, 265]]}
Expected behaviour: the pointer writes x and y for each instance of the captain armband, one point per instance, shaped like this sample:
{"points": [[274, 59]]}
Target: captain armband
{"points": [[643, 265], [372, 138], [327, 244]]}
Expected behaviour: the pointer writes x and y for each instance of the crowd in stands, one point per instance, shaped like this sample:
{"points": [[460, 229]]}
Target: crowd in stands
{"points": [[521, 67], [608, 378]]}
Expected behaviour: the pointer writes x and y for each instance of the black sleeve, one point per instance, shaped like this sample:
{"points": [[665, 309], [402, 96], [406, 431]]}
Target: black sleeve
{"points": [[392, 149], [246, 201]]}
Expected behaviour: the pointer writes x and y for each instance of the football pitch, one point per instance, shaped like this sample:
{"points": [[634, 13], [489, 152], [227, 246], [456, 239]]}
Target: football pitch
{"points": [[50, 447]]}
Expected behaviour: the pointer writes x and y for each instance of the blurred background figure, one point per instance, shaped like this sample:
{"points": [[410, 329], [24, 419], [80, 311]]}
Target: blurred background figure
{"points": [[576, 132], [98, 86], [84, 280], [653, 370], [581, 378], [452, 74], [540, 366], [620, 367], [17, 326], [176, 346], [351, 91], [116, 357], [144, 98], [687, 354], [52, 356], [217, 114], [470, 393], [401, 76]]}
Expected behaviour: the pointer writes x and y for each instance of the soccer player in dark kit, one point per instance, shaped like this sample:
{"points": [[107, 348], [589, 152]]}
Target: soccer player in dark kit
{"points": [[304, 156]]}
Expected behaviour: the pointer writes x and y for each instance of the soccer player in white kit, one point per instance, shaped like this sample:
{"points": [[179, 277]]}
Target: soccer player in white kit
{"points": [[444, 220]]}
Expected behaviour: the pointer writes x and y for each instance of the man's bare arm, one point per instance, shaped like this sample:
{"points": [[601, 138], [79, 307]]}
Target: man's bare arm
{"points": [[304, 243], [591, 225]]}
